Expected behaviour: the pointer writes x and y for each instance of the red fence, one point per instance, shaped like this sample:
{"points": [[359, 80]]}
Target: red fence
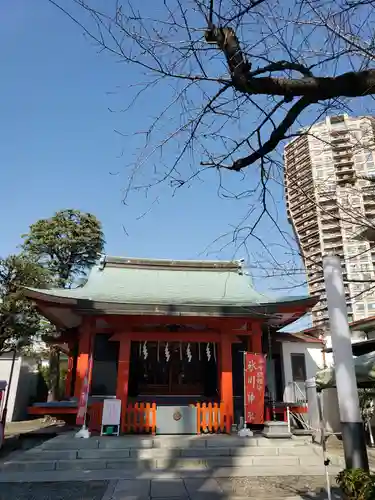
{"points": [[141, 418], [212, 417]]}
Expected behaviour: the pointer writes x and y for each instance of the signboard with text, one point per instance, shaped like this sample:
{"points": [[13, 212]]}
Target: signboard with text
{"points": [[255, 375]]}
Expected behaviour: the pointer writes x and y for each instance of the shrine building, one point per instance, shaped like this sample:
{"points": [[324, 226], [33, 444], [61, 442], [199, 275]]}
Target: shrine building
{"points": [[161, 335]]}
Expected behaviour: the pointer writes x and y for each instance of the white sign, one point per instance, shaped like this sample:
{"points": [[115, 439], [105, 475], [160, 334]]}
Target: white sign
{"points": [[111, 412]]}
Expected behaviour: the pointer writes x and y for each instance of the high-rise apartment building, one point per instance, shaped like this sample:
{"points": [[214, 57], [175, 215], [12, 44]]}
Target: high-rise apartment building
{"points": [[330, 203]]}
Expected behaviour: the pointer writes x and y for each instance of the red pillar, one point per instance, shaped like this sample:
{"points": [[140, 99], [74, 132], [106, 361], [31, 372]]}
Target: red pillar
{"points": [[226, 379], [256, 338], [123, 376], [86, 331]]}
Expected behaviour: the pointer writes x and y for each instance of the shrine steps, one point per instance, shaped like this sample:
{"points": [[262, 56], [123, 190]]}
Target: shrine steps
{"points": [[183, 456]]}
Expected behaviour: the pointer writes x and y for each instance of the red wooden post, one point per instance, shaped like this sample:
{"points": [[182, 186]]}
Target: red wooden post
{"points": [[86, 331], [256, 338], [226, 380], [123, 376]]}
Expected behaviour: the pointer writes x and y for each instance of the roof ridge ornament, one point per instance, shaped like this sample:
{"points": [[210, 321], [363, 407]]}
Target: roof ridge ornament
{"points": [[102, 261], [241, 265]]}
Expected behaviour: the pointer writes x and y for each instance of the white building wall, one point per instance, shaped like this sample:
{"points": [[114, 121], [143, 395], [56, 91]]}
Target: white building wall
{"points": [[23, 385], [314, 361], [5, 368]]}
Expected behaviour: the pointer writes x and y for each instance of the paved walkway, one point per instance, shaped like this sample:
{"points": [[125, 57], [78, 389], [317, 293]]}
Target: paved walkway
{"points": [[292, 488], [213, 489]]}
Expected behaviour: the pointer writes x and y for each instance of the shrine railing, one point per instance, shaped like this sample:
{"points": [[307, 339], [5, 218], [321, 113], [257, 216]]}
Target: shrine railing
{"points": [[212, 417], [139, 418]]}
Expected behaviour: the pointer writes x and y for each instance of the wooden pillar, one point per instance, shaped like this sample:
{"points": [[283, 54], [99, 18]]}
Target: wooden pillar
{"points": [[86, 332], [69, 374], [226, 379], [256, 338], [123, 376]]}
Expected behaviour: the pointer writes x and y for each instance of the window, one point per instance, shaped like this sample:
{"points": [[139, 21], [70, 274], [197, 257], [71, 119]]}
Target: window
{"points": [[298, 367], [360, 307]]}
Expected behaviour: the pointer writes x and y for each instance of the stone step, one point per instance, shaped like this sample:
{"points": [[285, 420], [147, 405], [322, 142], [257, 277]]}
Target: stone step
{"points": [[68, 442], [170, 465], [114, 474], [172, 453], [148, 453]]}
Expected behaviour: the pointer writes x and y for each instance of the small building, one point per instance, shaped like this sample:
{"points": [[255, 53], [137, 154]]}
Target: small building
{"points": [[166, 333], [302, 357]]}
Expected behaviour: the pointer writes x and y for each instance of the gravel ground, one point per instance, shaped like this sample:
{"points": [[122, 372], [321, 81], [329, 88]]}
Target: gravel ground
{"points": [[309, 487], [87, 490]]}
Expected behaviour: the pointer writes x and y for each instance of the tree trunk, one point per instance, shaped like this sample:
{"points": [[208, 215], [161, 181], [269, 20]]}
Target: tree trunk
{"points": [[54, 374]]}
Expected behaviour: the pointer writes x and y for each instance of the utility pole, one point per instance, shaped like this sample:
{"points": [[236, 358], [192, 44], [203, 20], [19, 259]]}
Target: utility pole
{"points": [[352, 428]]}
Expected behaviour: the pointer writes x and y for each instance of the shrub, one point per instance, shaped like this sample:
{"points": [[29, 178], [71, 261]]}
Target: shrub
{"points": [[356, 484]]}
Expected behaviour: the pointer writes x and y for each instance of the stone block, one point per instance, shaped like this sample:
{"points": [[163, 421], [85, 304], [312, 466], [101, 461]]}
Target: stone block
{"points": [[132, 489], [229, 462], [173, 443], [104, 454], [296, 451], [203, 485], [181, 464], [150, 454], [205, 452], [124, 442], [168, 488], [80, 465], [276, 461], [278, 430], [230, 441], [71, 444], [45, 455], [244, 451], [311, 460], [13, 466], [127, 465]]}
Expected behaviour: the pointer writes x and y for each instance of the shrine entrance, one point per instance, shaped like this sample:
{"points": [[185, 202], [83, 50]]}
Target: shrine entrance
{"points": [[173, 369]]}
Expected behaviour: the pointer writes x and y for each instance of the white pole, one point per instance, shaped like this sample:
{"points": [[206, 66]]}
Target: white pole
{"points": [[326, 460], [352, 428]]}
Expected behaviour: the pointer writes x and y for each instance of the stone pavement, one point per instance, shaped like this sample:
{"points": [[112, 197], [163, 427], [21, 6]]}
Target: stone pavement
{"points": [[298, 488], [215, 489], [230, 488]]}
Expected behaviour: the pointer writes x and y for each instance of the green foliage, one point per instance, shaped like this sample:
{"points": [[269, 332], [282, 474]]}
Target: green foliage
{"points": [[67, 244], [19, 320], [366, 404], [356, 484], [48, 377]]}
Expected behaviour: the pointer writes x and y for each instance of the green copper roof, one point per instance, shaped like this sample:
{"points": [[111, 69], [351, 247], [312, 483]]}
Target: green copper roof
{"points": [[164, 287], [119, 280], [170, 288]]}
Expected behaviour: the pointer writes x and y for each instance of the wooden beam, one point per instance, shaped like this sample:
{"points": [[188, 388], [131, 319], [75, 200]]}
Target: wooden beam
{"points": [[128, 321], [173, 337], [256, 338]]}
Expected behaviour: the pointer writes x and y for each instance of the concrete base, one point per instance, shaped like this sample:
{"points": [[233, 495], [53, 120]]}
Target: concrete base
{"points": [[276, 430]]}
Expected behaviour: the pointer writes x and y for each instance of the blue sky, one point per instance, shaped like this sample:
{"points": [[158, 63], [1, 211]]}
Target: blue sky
{"points": [[59, 149]]}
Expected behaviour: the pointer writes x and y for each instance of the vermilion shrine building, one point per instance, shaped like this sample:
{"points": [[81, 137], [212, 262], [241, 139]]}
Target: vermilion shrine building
{"points": [[164, 334]]}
